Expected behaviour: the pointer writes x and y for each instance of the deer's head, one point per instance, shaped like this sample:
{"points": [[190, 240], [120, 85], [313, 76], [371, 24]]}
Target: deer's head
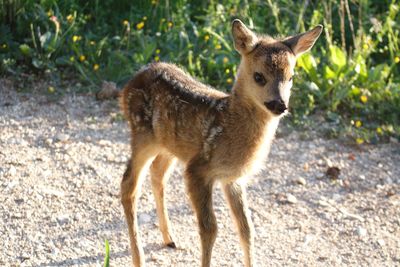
{"points": [[265, 74]]}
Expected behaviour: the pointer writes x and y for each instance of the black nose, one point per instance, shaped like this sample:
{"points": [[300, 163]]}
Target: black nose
{"points": [[276, 106]]}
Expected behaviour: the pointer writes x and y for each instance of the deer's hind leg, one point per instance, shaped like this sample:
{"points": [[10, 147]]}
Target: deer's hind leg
{"points": [[143, 149], [160, 170]]}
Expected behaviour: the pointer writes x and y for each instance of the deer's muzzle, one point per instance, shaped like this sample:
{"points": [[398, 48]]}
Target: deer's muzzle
{"points": [[276, 106]]}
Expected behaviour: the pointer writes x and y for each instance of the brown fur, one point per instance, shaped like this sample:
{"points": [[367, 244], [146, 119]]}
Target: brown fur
{"points": [[219, 137]]}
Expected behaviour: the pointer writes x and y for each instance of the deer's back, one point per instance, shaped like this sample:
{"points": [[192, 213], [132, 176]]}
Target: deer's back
{"points": [[183, 114]]}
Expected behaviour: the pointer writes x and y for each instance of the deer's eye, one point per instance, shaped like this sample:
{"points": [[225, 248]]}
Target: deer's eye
{"points": [[259, 79]]}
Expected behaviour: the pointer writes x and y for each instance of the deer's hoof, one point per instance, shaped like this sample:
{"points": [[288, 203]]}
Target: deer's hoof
{"points": [[171, 245]]}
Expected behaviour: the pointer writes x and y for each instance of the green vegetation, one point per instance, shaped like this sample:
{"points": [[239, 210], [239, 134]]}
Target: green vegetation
{"points": [[351, 77], [107, 256]]}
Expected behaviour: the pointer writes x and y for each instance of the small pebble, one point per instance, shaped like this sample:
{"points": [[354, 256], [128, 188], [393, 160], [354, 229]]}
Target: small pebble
{"points": [[62, 137], [12, 171], [307, 239], [306, 166], [301, 181], [390, 193], [323, 203], [48, 141], [381, 242], [360, 231], [50, 191], [63, 219], [291, 199], [78, 217], [328, 163], [104, 143], [12, 184], [346, 183]]}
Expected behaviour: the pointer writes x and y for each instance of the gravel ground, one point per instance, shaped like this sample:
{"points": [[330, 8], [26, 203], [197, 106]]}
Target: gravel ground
{"points": [[61, 163]]}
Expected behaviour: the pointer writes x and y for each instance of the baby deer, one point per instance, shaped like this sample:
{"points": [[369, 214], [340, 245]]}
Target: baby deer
{"points": [[219, 137]]}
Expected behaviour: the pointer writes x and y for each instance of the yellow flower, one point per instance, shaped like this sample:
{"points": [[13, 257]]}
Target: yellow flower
{"points": [[82, 58], [92, 42], [154, 2], [218, 47], [51, 89], [70, 18], [157, 58], [50, 13], [76, 38], [72, 59], [227, 71], [359, 141], [225, 60], [125, 22], [140, 25], [365, 46], [206, 37], [158, 51], [170, 24], [397, 59], [379, 131], [358, 124], [96, 67], [144, 18], [229, 80], [364, 99]]}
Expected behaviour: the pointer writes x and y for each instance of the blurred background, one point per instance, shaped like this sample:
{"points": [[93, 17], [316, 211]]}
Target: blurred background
{"points": [[350, 80]]}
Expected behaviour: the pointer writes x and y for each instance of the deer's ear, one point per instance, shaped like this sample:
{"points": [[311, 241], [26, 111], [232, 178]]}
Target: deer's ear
{"points": [[244, 39], [303, 42]]}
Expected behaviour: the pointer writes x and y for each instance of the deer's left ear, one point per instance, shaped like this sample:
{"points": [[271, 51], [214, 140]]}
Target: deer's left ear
{"points": [[303, 42]]}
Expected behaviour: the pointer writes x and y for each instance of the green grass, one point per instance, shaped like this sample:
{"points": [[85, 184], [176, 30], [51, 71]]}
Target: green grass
{"points": [[351, 77], [107, 256]]}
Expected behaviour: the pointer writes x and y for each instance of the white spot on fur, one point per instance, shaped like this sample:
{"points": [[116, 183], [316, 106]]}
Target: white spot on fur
{"points": [[156, 118], [209, 143], [129, 96], [213, 102]]}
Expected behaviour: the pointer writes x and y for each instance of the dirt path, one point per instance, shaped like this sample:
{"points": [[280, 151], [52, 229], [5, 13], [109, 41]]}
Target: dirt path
{"points": [[60, 167]]}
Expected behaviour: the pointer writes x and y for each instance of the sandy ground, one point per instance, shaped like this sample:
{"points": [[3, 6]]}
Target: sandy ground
{"points": [[61, 163]]}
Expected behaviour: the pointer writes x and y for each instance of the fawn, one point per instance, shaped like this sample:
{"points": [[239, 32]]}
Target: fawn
{"points": [[218, 136]]}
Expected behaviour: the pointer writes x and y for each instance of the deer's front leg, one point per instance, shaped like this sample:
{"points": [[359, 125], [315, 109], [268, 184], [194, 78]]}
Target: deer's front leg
{"points": [[200, 192], [236, 196]]}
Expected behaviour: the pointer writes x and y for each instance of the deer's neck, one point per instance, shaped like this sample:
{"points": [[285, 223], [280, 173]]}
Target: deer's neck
{"points": [[255, 129]]}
